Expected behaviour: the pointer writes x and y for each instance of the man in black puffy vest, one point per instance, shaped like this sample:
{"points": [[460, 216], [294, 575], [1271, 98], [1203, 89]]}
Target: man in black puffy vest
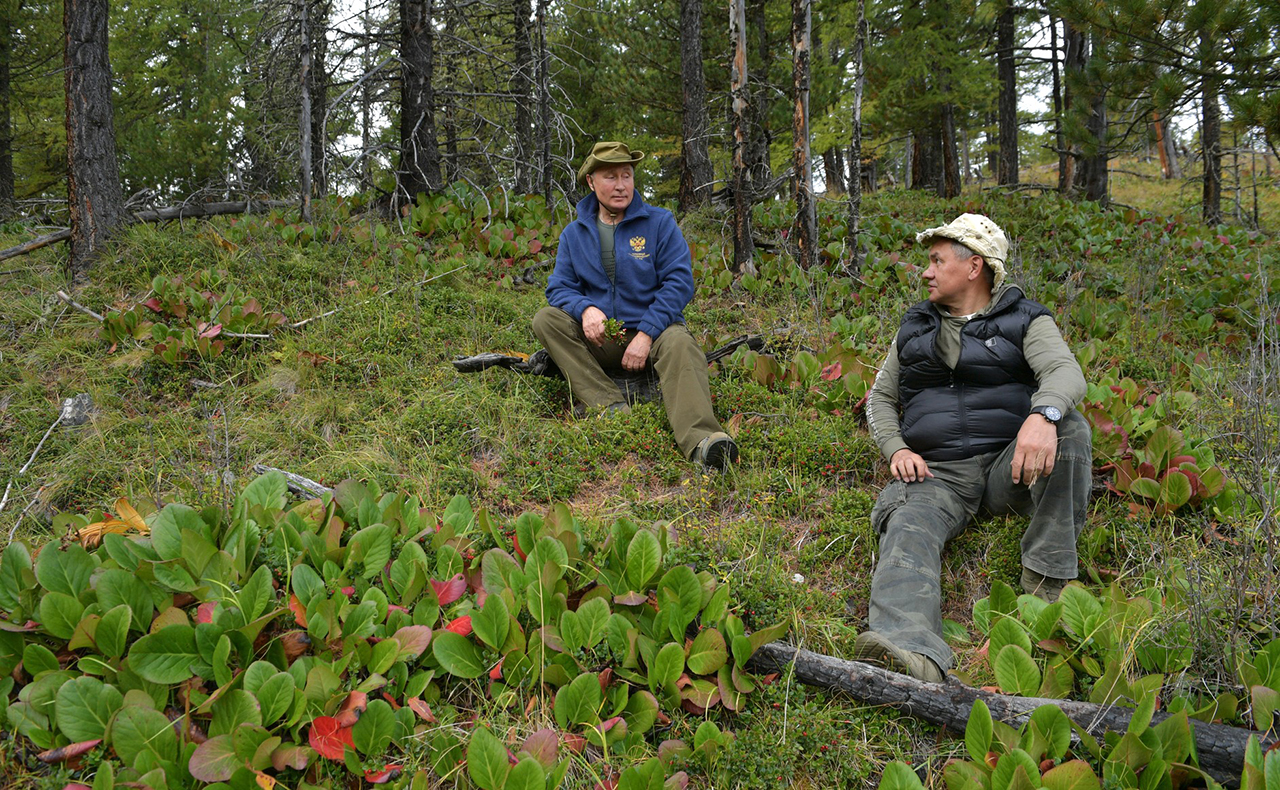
{"points": [[974, 408]]}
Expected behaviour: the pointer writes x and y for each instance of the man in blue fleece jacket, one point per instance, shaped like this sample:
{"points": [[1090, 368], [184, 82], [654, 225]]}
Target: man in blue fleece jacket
{"points": [[625, 260]]}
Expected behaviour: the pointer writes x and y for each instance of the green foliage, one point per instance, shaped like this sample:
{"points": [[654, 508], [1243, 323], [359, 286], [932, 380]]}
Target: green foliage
{"points": [[277, 624], [191, 318]]}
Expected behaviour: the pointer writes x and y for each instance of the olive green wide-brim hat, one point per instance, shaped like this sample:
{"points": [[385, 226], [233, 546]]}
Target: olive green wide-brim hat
{"points": [[610, 153]]}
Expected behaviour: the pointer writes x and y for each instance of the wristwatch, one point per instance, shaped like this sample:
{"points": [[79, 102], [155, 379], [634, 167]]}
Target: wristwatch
{"points": [[1050, 413]]}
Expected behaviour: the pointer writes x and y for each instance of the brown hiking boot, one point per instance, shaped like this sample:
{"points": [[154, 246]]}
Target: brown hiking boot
{"points": [[1046, 588], [872, 648]]}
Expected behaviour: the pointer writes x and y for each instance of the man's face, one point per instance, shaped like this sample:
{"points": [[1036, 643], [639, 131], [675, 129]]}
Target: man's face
{"points": [[614, 186], [949, 276]]}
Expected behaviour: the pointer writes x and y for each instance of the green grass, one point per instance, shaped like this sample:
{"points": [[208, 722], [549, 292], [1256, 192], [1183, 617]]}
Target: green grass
{"points": [[369, 393]]}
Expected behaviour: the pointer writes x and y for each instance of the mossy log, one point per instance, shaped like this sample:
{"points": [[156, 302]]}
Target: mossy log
{"points": [[1220, 747]]}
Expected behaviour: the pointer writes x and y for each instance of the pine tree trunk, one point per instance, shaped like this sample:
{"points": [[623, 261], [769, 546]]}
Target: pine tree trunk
{"points": [[1210, 140], [304, 115], [1057, 100], [760, 135], [450, 163], [93, 174], [544, 104], [743, 248], [853, 238], [1170, 151], [806, 226], [950, 162], [1095, 163], [696, 175], [419, 153], [1007, 172], [8, 10], [319, 96], [1073, 63], [993, 143], [366, 104], [833, 171], [522, 86]]}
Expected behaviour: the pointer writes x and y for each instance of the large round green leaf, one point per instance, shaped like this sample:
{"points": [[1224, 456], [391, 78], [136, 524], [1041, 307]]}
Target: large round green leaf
{"points": [[84, 706], [487, 763], [1016, 672], [166, 656], [458, 655], [707, 653], [137, 729]]}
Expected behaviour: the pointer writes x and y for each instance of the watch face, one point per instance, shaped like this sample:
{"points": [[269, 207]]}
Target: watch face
{"points": [[1051, 414]]}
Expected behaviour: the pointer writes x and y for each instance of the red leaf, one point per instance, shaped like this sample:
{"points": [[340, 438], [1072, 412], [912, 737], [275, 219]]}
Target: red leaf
{"points": [[299, 611], [391, 701], [154, 304], [348, 591], [831, 372], [460, 626], [420, 707], [575, 742], [204, 612], [450, 591], [328, 739], [210, 330], [386, 774], [355, 704], [68, 752], [535, 247], [496, 672]]}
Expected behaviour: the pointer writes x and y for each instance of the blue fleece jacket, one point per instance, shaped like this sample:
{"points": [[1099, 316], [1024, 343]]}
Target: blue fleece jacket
{"points": [[654, 274]]}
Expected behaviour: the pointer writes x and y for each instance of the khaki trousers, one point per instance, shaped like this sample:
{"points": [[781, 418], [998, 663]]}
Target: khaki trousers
{"points": [[680, 364], [915, 520]]}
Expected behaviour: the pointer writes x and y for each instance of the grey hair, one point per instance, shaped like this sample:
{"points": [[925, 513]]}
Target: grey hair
{"points": [[964, 253]]}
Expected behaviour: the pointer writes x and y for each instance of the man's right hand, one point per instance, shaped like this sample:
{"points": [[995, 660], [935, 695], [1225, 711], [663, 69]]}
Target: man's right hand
{"points": [[908, 466], [593, 319]]}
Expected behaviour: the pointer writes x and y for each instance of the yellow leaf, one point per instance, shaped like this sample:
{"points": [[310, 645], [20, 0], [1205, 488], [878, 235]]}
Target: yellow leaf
{"points": [[265, 782], [130, 516]]}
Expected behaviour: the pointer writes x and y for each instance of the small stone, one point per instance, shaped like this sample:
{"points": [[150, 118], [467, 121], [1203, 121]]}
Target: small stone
{"points": [[798, 579], [77, 410]]}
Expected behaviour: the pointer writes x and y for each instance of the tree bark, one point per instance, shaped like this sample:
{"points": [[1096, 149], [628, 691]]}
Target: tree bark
{"points": [[950, 163], [1076, 53], [853, 231], [1095, 162], [1210, 141], [1057, 100], [760, 134], [93, 173], [833, 171], [1220, 748], [319, 27], [419, 153], [1007, 172], [696, 175], [8, 9], [544, 104], [304, 112], [806, 225], [522, 86], [1170, 150], [743, 247]]}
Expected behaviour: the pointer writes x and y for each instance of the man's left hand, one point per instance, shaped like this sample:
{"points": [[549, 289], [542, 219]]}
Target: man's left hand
{"points": [[1035, 450], [637, 353]]}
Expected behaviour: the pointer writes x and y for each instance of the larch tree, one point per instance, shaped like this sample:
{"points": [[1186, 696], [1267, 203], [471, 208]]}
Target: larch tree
{"points": [[696, 175], [419, 170], [1007, 72], [94, 195], [806, 224], [7, 15], [743, 247]]}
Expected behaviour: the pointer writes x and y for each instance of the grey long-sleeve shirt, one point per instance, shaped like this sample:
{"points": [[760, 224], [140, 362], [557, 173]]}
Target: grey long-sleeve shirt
{"points": [[1058, 376]]}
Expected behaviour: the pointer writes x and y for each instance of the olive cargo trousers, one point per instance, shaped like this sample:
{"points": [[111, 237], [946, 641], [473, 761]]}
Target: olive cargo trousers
{"points": [[675, 356], [915, 520]]}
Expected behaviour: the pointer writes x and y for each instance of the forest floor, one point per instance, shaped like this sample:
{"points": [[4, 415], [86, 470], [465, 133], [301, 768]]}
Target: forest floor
{"points": [[369, 393]]}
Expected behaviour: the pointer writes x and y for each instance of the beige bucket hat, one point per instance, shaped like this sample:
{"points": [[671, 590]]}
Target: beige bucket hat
{"points": [[609, 153], [979, 234]]}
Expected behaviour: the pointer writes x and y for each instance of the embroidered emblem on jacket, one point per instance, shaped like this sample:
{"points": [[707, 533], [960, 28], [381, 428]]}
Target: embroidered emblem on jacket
{"points": [[637, 247]]}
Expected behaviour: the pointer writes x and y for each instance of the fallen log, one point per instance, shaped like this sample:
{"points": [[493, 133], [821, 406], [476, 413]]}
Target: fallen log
{"points": [[184, 211], [1219, 747], [301, 486]]}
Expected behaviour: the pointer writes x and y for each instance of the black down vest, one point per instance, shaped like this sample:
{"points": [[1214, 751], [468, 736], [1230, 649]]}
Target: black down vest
{"points": [[978, 407]]}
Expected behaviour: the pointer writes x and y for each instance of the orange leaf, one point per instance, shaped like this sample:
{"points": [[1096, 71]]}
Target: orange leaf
{"points": [[328, 739], [299, 611]]}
